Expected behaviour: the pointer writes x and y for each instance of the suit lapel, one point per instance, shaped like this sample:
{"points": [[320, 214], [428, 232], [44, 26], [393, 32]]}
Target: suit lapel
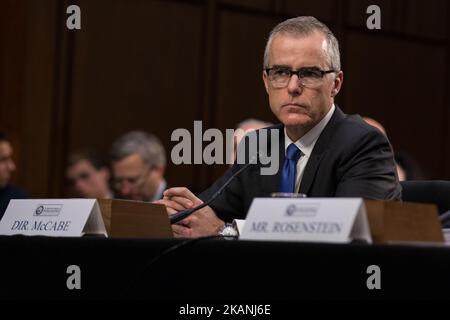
{"points": [[319, 151], [271, 183]]}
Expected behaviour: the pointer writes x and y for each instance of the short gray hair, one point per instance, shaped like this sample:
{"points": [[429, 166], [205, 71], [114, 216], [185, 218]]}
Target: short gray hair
{"points": [[147, 145], [304, 26]]}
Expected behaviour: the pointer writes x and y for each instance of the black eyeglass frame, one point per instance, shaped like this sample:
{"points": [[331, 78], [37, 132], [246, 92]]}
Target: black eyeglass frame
{"points": [[297, 72]]}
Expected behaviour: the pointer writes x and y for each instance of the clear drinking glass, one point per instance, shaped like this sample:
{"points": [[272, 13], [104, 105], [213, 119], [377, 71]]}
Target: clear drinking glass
{"points": [[287, 195]]}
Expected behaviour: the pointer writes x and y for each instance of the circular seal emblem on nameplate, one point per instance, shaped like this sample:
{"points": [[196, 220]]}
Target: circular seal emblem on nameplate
{"points": [[39, 210], [290, 210]]}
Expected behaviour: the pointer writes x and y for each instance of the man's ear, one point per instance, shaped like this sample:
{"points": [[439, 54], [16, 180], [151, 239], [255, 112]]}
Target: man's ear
{"points": [[339, 79], [266, 81]]}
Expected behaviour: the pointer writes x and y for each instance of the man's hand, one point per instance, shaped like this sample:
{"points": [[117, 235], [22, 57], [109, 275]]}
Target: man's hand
{"points": [[203, 222]]}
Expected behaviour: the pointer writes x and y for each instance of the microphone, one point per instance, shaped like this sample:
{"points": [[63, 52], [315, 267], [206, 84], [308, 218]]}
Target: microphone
{"points": [[176, 217]]}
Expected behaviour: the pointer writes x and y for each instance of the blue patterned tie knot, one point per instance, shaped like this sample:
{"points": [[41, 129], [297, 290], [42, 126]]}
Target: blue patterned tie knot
{"points": [[289, 172], [293, 152]]}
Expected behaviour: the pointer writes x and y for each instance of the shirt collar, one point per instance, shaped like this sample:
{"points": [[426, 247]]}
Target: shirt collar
{"points": [[159, 193], [307, 142]]}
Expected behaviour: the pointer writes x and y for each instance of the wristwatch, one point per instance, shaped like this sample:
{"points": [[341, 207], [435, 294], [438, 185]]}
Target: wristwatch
{"points": [[229, 230]]}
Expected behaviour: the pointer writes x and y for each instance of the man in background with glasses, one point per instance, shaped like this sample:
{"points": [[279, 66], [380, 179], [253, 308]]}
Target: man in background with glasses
{"points": [[138, 162], [323, 152]]}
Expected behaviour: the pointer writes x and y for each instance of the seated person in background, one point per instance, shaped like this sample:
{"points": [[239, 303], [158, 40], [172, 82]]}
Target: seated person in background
{"points": [[247, 126], [376, 124], [323, 152], [138, 161], [407, 167], [88, 175], [7, 166]]}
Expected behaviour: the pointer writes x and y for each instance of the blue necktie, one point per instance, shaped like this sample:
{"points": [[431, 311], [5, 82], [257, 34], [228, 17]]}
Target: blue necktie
{"points": [[287, 183]]}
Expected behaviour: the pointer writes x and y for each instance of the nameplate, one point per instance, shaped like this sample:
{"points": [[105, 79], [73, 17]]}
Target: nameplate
{"points": [[53, 217], [239, 224], [310, 220]]}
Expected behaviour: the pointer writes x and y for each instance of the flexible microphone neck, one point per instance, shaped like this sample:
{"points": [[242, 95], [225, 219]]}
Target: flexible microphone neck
{"points": [[174, 218]]}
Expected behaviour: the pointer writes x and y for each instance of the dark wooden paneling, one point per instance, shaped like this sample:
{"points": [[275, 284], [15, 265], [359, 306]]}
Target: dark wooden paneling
{"points": [[391, 13], [251, 4], [30, 52], [406, 95], [321, 9], [12, 21], [38, 124], [418, 18], [136, 67], [426, 18], [240, 89], [159, 65], [446, 119]]}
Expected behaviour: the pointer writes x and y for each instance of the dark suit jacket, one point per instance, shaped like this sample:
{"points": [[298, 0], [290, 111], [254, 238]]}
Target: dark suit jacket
{"points": [[349, 159], [10, 192]]}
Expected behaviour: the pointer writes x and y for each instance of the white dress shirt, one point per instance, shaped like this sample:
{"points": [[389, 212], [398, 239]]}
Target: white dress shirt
{"points": [[306, 145], [159, 193]]}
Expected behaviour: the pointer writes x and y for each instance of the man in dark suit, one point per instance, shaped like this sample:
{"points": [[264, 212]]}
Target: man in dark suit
{"points": [[323, 152]]}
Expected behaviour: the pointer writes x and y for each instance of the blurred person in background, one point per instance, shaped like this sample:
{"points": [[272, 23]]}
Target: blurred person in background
{"points": [[138, 162], [7, 167], [244, 127], [407, 167], [376, 124], [88, 175]]}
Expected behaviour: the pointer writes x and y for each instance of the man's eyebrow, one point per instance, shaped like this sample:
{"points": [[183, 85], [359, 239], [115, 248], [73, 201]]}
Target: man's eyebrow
{"points": [[282, 66], [311, 67]]}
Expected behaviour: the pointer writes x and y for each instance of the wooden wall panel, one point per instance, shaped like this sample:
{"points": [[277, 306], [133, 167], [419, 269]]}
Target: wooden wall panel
{"points": [[136, 68], [13, 20], [321, 9], [391, 14], [418, 18], [251, 4], [406, 95], [45, 83], [240, 89], [417, 21], [159, 65], [30, 77], [240, 92]]}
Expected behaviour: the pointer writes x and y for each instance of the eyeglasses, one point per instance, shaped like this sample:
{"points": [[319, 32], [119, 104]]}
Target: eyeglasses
{"points": [[311, 77], [118, 182]]}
